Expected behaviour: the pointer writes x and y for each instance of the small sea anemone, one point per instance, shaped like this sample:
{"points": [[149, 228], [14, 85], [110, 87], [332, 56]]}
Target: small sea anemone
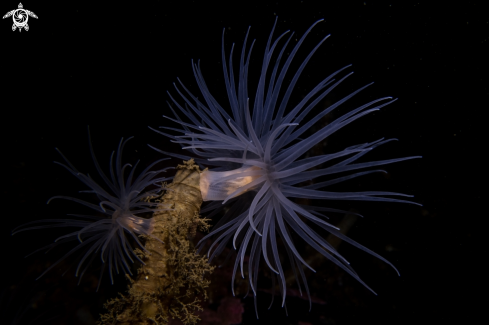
{"points": [[260, 161], [117, 210]]}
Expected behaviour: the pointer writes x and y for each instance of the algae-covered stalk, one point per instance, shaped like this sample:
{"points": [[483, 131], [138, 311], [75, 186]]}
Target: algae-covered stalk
{"points": [[172, 282]]}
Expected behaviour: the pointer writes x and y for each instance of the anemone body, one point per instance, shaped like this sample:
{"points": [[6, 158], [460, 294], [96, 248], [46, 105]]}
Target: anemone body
{"points": [[107, 233], [258, 163]]}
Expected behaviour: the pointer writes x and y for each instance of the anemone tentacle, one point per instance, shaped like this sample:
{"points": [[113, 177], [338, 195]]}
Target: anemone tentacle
{"points": [[259, 163], [107, 235]]}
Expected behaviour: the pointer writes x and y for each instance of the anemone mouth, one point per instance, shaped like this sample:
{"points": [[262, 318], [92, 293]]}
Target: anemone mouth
{"points": [[217, 186], [136, 224]]}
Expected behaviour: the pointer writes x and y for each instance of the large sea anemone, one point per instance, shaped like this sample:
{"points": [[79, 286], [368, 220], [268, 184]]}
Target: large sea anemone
{"points": [[257, 155], [107, 233]]}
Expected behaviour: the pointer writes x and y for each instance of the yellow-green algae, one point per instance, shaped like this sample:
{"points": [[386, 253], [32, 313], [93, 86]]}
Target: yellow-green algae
{"points": [[172, 284]]}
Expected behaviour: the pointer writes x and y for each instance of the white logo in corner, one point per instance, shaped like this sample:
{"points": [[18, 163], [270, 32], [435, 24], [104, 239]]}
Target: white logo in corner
{"points": [[20, 17]]}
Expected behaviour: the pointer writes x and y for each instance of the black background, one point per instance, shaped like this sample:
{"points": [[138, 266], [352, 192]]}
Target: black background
{"points": [[109, 66]]}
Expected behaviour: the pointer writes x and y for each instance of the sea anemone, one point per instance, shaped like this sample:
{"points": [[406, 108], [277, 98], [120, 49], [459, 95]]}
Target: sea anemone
{"points": [[260, 161], [107, 232]]}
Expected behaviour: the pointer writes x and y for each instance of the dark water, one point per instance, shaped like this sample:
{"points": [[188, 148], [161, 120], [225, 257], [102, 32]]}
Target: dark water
{"points": [[109, 66]]}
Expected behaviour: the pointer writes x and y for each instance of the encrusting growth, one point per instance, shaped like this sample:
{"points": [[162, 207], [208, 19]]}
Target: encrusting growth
{"points": [[172, 282]]}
